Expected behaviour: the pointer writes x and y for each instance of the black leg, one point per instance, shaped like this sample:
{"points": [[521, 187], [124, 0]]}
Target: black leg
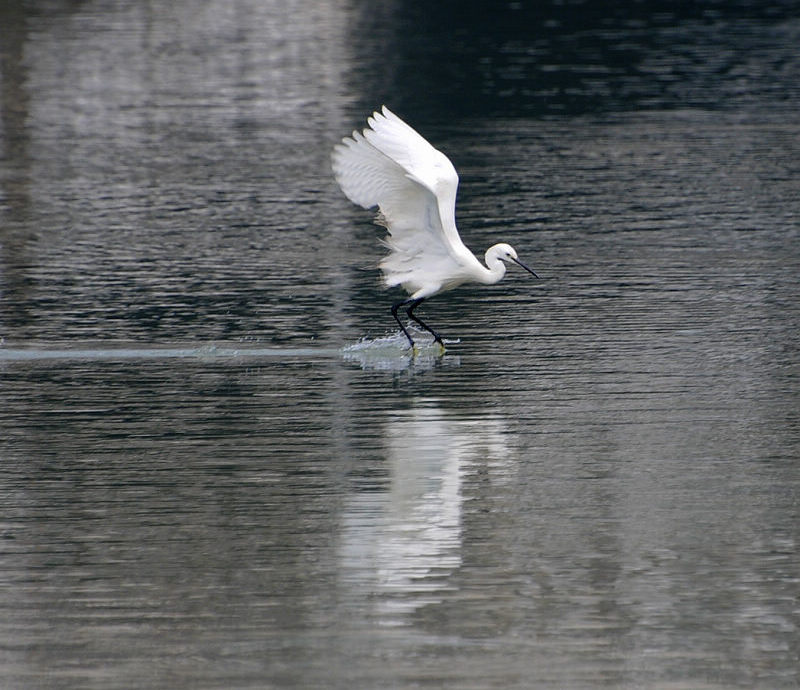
{"points": [[413, 304], [395, 307]]}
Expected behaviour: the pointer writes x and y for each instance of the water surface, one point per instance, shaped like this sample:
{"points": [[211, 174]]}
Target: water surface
{"points": [[219, 466]]}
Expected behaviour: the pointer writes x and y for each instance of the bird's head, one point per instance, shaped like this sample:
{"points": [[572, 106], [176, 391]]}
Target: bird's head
{"points": [[505, 252]]}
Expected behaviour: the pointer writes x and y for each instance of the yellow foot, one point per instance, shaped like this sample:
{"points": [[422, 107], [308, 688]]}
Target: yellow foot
{"points": [[442, 349], [414, 351]]}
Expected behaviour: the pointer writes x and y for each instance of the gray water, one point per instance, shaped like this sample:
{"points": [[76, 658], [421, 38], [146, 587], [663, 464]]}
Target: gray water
{"points": [[219, 468]]}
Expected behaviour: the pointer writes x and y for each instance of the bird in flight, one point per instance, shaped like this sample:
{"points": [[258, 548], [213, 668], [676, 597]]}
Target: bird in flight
{"points": [[391, 166]]}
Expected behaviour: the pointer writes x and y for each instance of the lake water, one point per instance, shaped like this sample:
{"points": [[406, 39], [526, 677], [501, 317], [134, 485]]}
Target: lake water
{"points": [[219, 468]]}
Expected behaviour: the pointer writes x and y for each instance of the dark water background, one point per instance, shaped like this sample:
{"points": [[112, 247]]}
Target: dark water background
{"points": [[215, 473]]}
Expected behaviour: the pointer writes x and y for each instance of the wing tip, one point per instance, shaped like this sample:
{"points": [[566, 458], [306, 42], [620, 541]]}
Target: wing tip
{"points": [[340, 148], [378, 117]]}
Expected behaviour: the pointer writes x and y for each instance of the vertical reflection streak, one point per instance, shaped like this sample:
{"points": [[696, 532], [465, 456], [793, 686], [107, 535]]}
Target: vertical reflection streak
{"points": [[402, 543]]}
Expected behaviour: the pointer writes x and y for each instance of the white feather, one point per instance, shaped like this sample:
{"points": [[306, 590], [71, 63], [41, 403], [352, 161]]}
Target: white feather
{"points": [[394, 168]]}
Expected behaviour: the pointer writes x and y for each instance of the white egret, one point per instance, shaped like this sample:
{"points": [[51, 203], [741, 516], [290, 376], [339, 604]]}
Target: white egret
{"points": [[393, 167]]}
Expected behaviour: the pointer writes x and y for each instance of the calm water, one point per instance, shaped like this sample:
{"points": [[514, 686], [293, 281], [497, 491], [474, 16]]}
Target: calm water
{"points": [[219, 469]]}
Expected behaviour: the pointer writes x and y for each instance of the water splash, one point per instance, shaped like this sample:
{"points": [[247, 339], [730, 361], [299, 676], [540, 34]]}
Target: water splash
{"points": [[392, 353]]}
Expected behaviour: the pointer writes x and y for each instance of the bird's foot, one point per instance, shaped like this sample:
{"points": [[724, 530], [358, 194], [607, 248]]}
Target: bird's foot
{"points": [[441, 349], [414, 350]]}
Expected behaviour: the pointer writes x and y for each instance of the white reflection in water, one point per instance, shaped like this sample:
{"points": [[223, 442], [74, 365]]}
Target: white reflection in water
{"points": [[401, 544]]}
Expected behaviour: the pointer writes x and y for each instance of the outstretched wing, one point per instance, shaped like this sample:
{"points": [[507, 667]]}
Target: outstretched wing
{"points": [[392, 167]]}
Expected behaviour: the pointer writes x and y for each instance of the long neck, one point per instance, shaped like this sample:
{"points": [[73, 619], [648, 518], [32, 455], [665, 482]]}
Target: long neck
{"points": [[497, 269]]}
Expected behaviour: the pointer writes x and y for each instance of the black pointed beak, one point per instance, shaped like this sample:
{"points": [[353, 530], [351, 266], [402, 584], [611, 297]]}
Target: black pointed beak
{"points": [[519, 263]]}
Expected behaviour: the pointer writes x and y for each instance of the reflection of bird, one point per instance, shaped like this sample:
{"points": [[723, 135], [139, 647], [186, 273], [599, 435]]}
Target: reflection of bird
{"points": [[414, 187]]}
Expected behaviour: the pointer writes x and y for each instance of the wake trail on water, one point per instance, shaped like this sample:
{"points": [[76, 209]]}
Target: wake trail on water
{"points": [[391, 352], [130, 352]]}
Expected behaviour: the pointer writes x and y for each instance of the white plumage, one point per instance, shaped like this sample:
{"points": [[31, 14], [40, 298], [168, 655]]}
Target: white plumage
{"points": [[414, 186]]}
